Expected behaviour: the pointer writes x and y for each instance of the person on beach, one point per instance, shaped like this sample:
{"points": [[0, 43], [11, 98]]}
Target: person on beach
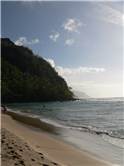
{"points": [[3, 109]]}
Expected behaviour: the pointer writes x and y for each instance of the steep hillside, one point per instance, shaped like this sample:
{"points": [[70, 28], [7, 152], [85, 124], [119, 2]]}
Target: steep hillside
{"points": [[29, 78]]}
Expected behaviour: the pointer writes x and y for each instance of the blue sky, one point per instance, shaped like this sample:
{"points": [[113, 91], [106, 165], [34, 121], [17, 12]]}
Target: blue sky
{"points": [[81, 40]]}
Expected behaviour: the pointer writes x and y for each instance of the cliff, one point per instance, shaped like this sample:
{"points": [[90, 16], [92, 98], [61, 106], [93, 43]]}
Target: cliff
{"points": [[29, 78]]}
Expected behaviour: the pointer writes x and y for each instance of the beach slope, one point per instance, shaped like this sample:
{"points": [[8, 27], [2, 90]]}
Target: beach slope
{"points": [[39, 147]]}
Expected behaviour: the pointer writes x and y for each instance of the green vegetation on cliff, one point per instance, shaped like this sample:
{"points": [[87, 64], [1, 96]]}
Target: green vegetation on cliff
{"points": [[29, 78]]}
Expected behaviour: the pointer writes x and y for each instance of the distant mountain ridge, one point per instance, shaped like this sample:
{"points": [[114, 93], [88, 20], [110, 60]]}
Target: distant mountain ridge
{"points": [[29, 78], [80, 95]]}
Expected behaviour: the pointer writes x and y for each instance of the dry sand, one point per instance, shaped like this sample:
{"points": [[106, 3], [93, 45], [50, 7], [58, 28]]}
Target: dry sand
{"points": [[16, 152], [33, 147]]}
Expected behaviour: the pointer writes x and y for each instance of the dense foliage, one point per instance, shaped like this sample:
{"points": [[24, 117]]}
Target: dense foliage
{"points": [[29, 78]]}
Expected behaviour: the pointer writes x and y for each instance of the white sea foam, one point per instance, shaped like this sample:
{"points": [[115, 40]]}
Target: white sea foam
{"points": [[49, 121], [114, 141]]}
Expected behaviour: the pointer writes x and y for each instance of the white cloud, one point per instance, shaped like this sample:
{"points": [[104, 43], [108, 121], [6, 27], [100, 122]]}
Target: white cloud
{"points": [[69, 42], [54, 36], [72, 25], [91, 80], [51, 61], [75, 72], [79, 70], [65, 71], [23, 41], [109, 14], [35, 41], [99, 89]]}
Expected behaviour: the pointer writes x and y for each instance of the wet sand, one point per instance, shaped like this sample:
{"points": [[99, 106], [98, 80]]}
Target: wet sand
{"points": [[33, 147]]}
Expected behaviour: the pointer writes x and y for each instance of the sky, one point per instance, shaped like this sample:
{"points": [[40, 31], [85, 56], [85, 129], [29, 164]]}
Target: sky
{"points": [[83, 41]]}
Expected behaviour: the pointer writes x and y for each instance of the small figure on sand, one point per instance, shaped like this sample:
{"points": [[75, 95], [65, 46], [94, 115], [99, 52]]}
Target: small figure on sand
{"points": [[3, 109]]}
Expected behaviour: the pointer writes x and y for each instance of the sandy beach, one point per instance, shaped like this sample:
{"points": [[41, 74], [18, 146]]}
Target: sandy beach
{"points": [[16, 152], [25, 145]]}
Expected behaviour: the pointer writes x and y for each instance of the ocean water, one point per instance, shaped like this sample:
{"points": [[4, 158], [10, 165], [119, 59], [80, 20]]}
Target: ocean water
{"points": [[94, 125]]}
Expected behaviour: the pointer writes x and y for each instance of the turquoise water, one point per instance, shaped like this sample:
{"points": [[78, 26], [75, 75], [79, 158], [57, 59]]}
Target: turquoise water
{"points": [[88, 123]]}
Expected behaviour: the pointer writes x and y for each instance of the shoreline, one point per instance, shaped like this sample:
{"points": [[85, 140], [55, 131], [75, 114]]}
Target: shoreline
{"points": [[54, 149]]}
